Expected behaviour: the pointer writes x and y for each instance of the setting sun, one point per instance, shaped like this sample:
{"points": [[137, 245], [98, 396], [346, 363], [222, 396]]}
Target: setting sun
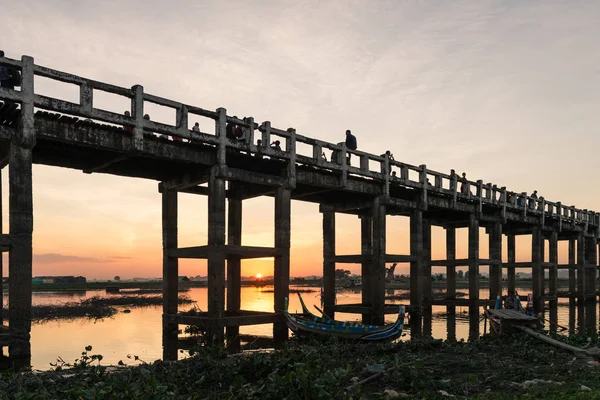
{"points": [[259, 275]]}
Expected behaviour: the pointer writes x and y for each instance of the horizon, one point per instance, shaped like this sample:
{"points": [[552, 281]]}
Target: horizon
{"points": [[495, 90]]}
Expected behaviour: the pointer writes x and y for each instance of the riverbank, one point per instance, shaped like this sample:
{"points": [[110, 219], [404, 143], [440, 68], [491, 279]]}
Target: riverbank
{"points": [[492, 368], [95, 307], [401, 284]]}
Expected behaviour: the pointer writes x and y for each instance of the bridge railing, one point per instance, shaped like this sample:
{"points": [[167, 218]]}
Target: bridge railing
{"points": [[385, 170]]}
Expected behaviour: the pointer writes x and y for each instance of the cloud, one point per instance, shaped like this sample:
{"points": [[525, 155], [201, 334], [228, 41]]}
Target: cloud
{"points": [[51, 258]]}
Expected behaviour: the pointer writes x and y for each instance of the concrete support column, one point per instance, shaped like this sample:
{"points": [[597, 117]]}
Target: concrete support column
{"points": [[234, 267], [21, 221], [328, 266], [473, 278], [495, 242], [283, 212], [216, 257], [511, 257], [170, 273], [451, 281], [591, 263], [450, 269], [21, 252], [1, 257], [537, 271], [366, 245], [580, 266], [416, 266], [572, 267], [378, 271], [426, 280], [553, 270]]}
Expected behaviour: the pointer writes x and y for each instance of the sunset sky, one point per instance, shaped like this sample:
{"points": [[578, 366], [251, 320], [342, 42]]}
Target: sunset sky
{"points": [[507, 91]]}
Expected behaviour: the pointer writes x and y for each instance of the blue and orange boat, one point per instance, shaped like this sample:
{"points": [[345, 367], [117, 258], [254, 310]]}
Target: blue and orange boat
{"points": [[309, 324]]}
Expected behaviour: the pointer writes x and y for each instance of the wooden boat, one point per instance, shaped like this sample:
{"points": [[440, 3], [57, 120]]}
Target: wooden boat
{"points": [[503, 319], [306, 325]]}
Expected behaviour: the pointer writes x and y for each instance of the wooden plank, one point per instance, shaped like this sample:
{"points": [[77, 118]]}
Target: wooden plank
{"points": [[236, 251]]}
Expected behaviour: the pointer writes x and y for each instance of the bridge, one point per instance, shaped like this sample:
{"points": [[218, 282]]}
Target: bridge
{"points": [[39, 129]]}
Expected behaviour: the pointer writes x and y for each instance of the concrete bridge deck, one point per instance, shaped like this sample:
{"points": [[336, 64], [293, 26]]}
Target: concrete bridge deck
{"points": [[44, 130]]}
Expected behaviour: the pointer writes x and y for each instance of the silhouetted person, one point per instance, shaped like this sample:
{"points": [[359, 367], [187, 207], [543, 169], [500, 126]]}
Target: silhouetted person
{"points": [[259, 148], [532, 199], [464, 186], [350, 143], [394, 177], [127, 128], [389, 154], [229, 128], [196, 127], [276, 145], [9, 76]]}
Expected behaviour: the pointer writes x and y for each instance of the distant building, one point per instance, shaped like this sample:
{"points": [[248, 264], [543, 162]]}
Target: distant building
{"points": [[45, 280]]}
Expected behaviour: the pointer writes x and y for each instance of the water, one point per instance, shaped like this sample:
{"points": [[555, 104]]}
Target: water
{"points": [[139, 333]]}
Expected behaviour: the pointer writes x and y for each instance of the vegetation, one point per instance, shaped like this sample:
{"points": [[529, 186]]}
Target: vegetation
{"points": [[493, 368], [95, 307]]}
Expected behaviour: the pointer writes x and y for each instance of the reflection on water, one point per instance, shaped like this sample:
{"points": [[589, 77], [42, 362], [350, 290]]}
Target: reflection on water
{"points": [[140, 332]]}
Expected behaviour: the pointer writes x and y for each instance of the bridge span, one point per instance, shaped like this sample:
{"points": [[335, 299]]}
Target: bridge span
{"points": [[39, 129]]}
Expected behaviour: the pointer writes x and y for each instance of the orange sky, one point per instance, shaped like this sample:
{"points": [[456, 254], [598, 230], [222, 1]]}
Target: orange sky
{"points": [[507, 92]]}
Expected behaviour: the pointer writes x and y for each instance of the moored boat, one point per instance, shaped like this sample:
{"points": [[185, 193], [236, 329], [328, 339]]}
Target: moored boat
{"points": [[310, 324]]}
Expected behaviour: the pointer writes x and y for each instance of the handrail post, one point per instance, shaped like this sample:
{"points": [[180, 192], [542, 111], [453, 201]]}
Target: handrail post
{"points": [[454, 187], [385, 170], [504, 201], [479, 193], [559, 211], [137, 108], [221, 131], [182, 119], [26, 135], [423, 181], [291, 149], [249, 130], [318, 153], [266, 134], [86, 98], [344, 161]]}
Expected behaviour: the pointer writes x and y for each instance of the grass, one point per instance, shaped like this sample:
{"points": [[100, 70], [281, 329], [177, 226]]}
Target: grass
{"points": [[95, 307], [496, 368]]}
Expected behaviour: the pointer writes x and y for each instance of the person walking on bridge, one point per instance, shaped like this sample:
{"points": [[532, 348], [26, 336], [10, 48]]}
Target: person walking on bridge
{"points": [[9, 77], [350, 143]]}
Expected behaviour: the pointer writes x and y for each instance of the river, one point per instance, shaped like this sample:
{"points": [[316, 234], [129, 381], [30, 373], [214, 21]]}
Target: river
{"points": [[138, 333]]}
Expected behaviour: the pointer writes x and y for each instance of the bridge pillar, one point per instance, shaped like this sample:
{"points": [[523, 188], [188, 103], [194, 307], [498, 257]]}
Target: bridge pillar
{"points": [[328, 263], [416, 266], [366, 245], [473, 277], [216, 257], [170, 273], [21, 222], [511, 259], [572, 268], [283, 198], [537, 270], [553, 269], [451, 281], [425, 279], [591, 265], [378, 267], [234, 266], [495, 248], [580, 265]]}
